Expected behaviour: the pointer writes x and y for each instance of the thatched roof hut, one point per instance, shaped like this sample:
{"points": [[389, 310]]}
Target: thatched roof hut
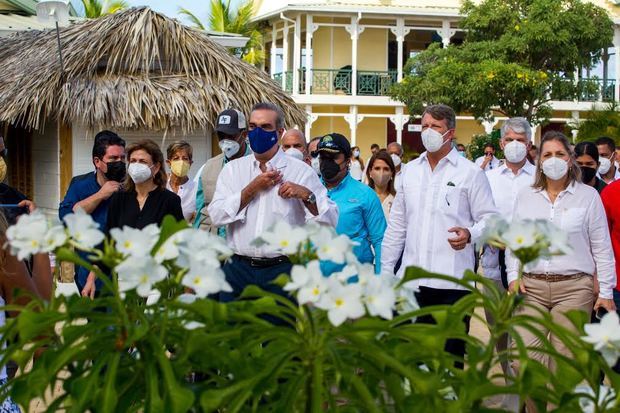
{"points": [[135, 69]]}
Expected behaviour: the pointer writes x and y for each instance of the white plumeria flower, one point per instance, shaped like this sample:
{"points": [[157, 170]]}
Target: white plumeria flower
{"points": [[380, 297], [170, 249], [406, 301], [342, 302], [189, 299], [139, 273], [308, 281], [330, 247], [201, 246], [558, 240], [605, 336], [520, 235], [135, 242], [204, 280], [366, 272], [346, 273], [83, 229], [29, 236], [606, 398], [299, 278], [284, 238]]}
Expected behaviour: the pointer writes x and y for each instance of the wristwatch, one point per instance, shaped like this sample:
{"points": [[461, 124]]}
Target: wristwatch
{"points": [[311, 198]]}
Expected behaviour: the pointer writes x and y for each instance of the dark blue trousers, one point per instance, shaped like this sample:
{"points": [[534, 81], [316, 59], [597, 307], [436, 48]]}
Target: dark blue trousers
{"points": [[240, 274]]}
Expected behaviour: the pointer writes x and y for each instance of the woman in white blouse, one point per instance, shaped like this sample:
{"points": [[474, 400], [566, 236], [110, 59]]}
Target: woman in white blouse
{"points": [[381, 174], [356, 169], [562, 283]]}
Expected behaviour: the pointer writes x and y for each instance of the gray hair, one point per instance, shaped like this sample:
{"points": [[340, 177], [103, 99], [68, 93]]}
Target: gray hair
{"points": [[398, 145], [274, 108], [441, 112], [517, 125]]}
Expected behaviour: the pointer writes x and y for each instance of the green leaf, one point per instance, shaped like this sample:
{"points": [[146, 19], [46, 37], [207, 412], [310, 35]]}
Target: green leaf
{"points": [[109, 395]]}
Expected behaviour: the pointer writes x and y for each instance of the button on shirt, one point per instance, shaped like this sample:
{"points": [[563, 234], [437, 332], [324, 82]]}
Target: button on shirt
{"points": [[505, 186], [267, 208], [427, 204], [578, 210], [361, 218], [187, 193]]}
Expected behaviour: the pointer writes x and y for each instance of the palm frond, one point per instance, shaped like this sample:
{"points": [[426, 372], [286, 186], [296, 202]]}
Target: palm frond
{"points": [[114, 6], [196, 22], [219, 16]]}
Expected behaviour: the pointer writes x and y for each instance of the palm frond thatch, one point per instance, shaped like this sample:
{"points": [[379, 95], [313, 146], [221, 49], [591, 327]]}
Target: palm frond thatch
{"points": [[133, 69]]}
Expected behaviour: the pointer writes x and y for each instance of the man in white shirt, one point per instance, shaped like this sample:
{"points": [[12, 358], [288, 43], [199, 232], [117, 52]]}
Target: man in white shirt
{"points": [[396, 152], [607, 159], [294, 144], [440, 209], [256, 191], [488, 161]]}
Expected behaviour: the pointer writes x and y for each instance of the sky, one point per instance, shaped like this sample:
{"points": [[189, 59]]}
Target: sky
{"points": [[200, 8]]}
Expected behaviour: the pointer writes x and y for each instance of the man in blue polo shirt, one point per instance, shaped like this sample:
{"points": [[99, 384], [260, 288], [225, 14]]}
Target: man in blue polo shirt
{"points": [[92, 191], [361, 217]]}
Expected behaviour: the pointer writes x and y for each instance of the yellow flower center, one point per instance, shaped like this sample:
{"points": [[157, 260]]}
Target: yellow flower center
{"points": [[196, 280], [520, 240], [127, 244], [315, 291], [144, 278], [339, 302], [34, 243], [284, 243]]}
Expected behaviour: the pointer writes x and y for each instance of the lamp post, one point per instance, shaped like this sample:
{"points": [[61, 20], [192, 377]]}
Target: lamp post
{"points": [[56, 11]]}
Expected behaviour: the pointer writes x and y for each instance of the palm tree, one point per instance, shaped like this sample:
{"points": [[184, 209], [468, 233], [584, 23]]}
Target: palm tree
{"points": [[223, 19], [98, 8]]}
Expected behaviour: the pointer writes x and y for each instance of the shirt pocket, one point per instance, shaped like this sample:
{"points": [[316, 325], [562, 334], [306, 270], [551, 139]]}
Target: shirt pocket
{"points": [[573, 219], [451, 199]]}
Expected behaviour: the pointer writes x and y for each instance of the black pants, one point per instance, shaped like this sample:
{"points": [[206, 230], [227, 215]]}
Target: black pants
{"points": [[434, 296], [502, 268]]}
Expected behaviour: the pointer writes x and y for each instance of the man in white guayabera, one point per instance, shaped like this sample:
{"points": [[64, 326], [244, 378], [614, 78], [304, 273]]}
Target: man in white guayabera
{"points": [[255, 192], [506, 181], [440, 209]]}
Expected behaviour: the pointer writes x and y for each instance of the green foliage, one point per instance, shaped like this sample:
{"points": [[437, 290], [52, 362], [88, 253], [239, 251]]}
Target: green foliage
{"points": [[516, 55], [98, 8], [223, 18], [599, 123], [476, 147]]}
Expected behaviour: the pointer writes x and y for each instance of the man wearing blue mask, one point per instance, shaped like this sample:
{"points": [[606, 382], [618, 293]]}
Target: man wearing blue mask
{"points": [[231, 129], [255, 192]]}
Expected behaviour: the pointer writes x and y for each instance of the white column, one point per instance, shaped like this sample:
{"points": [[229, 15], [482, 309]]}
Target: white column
{"points": [[400, 32], [284, 54], [399, 120], [354, 30], [296, 54], [534, 138], [272, 64], [446, 32], [617, 63], [353, 118], [310, 29], [311, 118], [574, 121]]}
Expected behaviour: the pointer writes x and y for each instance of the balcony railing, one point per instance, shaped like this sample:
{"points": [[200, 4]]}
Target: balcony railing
{"points": [[588, 90], [339, 81], [378, 83]]}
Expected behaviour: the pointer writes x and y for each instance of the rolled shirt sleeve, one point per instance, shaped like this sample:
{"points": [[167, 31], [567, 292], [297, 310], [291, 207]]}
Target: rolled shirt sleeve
{"points": [[600, 243], [482, 205], [224, 208], [328, 210]]}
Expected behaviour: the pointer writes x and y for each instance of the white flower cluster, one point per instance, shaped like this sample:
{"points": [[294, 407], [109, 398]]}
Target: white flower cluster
{"points": [[35, 234], [196, 251], [605, 337], [346, 294], [527, 239]]}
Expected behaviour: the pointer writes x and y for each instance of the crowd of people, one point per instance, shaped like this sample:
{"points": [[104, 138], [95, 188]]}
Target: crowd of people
{"points": [[430, 212]]}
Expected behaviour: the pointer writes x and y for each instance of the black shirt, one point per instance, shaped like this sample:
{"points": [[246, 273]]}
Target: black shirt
{"points": [[125, 210], [10, 195]]}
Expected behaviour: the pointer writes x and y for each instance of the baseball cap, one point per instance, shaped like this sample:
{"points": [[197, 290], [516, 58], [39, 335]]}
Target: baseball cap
{"points": [[230, 122], [334, 143]]}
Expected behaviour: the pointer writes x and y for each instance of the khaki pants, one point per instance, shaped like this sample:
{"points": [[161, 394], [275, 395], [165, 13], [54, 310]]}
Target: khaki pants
{"points": [[555, 298], [502, 343]]}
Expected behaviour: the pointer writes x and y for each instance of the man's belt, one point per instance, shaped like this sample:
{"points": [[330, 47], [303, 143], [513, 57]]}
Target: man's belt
{"points": [[261, 262], [555, 277]]}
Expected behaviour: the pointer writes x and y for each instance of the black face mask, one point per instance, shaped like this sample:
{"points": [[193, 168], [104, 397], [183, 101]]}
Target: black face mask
{"points": [[116, 171], [329, 169], [587, 174]]}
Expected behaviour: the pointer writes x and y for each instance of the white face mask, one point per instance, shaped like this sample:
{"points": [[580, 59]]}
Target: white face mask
{"points": [[295, 153], [515, 151], [396, 159], [433, 140], [315, 163], [139, 172], [356, 153], [605, 165], [229, 147], [555, 168]]}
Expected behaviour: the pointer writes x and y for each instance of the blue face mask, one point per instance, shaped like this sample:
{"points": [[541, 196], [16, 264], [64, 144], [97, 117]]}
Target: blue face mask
{"points": [[261, 140]]}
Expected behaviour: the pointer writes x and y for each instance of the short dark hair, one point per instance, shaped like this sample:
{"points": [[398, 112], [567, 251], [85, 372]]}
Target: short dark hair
{"points": [[174, 147], [489, 145], [104, 139], [604, 140], [587, 148], [274, 108], [441, 112], [374, 146]]}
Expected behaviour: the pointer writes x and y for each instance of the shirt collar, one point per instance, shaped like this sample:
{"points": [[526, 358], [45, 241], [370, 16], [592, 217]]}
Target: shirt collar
{"points": [[277, 161], [528, 168], [342, 183], [452, 156]]}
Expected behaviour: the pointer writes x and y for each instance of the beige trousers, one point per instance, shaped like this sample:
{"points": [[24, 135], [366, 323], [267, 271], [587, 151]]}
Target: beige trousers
{"points": [[555, 298]]}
